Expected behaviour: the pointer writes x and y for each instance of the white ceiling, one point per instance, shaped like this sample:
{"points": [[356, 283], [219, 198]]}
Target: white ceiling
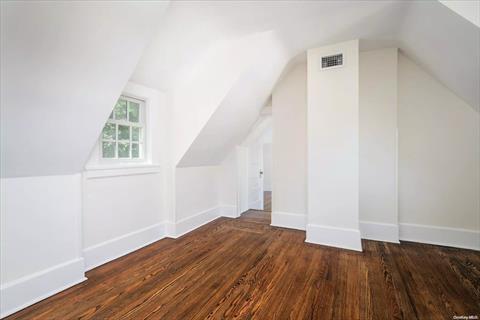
{"points": [[65, 63], [440, 40], [191, 28]]}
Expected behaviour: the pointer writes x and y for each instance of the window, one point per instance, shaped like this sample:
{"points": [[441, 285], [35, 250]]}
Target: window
{"points": [[123, 136]]}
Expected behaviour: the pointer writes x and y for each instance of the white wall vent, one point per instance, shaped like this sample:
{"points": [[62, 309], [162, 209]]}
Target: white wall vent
{"points": [[333, 61]]}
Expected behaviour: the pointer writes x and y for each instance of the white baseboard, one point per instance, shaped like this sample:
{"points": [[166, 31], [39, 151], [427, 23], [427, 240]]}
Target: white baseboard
{"points": [[289, 220], [379, 231], [186, 225], [21, 293], [450, 237], [228, 211], [334, 237], [112, 249], [193, 222]]}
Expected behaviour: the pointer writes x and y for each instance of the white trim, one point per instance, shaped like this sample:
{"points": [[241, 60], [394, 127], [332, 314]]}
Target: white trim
{"points": [[154, 106], [450, 237], [228, 211], [289, 220], [140, 124], [114, 248], [379, 231], [151, 98], [124, 170], [193, 222], [21, 293], [334, 237]]}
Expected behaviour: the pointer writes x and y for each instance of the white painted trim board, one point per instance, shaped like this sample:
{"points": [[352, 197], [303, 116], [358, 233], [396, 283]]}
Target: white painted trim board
{"points": [[443, 236], [334, 237], [289, 220], [21, 293], [112, 249]]}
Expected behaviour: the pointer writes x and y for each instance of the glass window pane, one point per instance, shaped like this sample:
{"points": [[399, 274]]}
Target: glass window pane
{"points": [[120, 110], [109, 131], [108, 149], [124, 150], [123, 132], [136, 133], [133, 111], [135, 150], [111, 115]]}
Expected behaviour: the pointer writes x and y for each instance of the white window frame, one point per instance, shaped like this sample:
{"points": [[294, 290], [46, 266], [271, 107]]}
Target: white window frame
{"points": [[142, 124]]}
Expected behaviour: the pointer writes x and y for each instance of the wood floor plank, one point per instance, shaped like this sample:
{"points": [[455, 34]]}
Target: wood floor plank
{"points": [[245, 269], [381, 283]]}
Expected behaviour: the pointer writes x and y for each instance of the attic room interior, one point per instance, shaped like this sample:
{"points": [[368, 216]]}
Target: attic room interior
{"points": [[240, 159]]}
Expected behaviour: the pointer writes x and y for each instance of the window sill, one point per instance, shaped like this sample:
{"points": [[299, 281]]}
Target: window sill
{"points": [[105, 171]]}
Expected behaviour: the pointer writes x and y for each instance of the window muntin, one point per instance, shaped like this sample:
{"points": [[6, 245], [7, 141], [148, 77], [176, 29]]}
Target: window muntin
{"points": [[123, 136]]}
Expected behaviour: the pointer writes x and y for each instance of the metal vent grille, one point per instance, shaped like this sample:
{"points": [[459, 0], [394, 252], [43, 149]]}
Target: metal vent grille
{"points": [[332, 61]]}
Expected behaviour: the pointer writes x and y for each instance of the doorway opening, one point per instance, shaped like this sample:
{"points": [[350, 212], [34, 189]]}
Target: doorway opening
{"points": [[267, 177], [260, 184], [254, 175]]}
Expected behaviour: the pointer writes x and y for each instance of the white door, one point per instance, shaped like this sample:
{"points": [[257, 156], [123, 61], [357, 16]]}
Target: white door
{"points": [[255, 176], [242, 180]]}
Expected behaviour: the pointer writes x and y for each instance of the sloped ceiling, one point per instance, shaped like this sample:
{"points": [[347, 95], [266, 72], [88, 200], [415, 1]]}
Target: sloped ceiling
{"points": [[63, 65], [443, 42], [445, 45], [226, 127], [468, 9], [215, 93]]}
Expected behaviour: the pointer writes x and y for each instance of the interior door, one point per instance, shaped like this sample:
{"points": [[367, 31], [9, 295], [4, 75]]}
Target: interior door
{"points": [[242, 180], [255, 176]]}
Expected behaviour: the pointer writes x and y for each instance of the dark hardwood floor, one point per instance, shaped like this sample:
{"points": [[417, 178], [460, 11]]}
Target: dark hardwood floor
{"points": [[245, 269]]}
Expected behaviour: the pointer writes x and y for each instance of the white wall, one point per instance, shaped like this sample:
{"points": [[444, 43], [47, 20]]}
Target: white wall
{"points": [[197, 197], [289, 149], [196, 190], [439, 154], [228, 184], [267, 167], [378, 144], [121, 213], [468, 9], [40, 238], [438, 158], [125, 204], [333, 135]]}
